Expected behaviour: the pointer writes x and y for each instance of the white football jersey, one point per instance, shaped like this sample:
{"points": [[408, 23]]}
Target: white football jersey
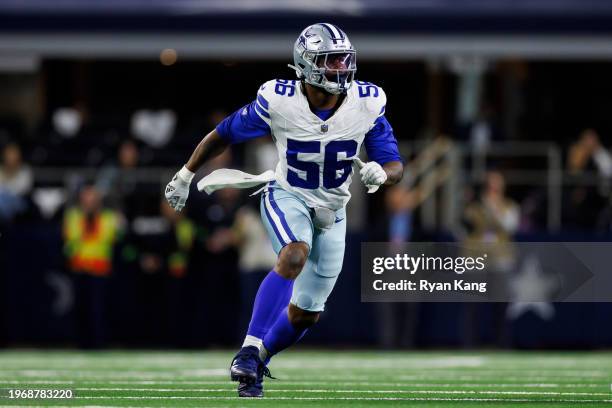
{"points": [[315, 155]]}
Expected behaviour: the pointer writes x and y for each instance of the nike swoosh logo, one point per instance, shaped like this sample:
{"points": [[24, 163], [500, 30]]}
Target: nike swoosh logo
{"points": [[338, 220]]}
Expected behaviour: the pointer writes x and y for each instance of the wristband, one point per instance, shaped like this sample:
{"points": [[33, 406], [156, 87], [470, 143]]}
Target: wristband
{"points": [[185, 174]]}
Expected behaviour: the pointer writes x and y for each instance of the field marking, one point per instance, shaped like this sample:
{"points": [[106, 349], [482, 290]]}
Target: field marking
{"points": [[372, 362], [344, 399], [218, 373], [203, 372], [222, 398], [289, 366], [528, 377], [86, 406], [457, 392], [343, 383]]}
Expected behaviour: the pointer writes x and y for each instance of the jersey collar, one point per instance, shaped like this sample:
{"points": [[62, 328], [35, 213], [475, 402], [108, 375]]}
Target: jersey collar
{"points": [[306, 105]]}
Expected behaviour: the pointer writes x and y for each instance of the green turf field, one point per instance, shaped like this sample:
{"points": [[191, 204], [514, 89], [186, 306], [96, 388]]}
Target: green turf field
{"points": [[314, 379]]}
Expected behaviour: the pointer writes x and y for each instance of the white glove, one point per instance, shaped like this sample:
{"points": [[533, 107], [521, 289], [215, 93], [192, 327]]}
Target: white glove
{"points": [[372, 174], [177, 190]]}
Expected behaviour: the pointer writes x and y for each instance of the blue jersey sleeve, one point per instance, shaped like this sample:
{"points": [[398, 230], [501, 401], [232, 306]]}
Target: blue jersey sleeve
{"points": [[380, 142], [249, 122]]}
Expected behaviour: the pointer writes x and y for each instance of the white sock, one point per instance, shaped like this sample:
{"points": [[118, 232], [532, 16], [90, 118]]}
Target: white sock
{"points": [[252, 341], [256, 342]]}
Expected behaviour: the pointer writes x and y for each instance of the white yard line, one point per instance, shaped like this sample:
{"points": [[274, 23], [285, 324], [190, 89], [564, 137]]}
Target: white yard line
{"points": [[211, 372], [343, 399], [383, 363], [219, 374], [292, 366], [342, 383], [85, 406], [588, 394]]}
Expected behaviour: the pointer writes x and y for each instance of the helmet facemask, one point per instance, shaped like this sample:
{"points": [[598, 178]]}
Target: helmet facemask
{"points": [[331, 70]]}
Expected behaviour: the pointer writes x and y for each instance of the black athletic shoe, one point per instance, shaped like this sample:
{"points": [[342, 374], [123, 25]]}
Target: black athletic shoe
{"points": [[249, 371]]}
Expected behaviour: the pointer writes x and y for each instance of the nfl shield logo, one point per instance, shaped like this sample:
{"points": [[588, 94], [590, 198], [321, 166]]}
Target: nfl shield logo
{"points": [[324, 128]]}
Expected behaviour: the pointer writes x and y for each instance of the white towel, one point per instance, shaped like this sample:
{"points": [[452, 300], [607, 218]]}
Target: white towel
{"points": [[223, 178], [232, 178]]}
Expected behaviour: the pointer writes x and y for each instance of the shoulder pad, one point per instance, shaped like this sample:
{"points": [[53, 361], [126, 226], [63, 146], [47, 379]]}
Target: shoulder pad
{"points": [[372, 96], [267, 88], [276, 91], [266, 92]]}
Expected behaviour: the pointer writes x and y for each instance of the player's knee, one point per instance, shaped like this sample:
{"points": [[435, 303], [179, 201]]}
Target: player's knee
{"points": [[292, 259], [302, 319]]}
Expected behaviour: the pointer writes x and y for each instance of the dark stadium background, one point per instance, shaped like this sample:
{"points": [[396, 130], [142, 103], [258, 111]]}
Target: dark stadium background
{"points": [[560, 96]]}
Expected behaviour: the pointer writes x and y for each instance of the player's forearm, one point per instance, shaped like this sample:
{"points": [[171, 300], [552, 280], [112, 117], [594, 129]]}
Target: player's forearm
{"points": [[394, 170], [211, 146]]}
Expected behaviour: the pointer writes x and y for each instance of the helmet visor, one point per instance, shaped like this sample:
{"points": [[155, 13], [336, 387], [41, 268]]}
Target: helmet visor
{"points": [[337, 66], [336, 61]]}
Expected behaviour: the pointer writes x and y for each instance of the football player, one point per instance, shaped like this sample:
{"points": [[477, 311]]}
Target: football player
{"points": [[318, 123]]}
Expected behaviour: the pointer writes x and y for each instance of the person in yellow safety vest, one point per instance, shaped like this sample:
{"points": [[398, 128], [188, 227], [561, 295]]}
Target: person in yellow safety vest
{"points": [[90, 233], [184, 232]]}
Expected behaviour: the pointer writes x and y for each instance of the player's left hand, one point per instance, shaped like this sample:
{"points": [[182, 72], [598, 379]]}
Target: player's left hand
{"points": [[372, 174]]}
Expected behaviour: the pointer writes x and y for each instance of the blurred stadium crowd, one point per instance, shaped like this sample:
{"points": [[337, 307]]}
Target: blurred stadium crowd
{"points": [[87, 236]]}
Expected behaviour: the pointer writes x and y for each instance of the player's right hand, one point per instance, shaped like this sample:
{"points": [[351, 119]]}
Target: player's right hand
{"points": [[177, 190]]}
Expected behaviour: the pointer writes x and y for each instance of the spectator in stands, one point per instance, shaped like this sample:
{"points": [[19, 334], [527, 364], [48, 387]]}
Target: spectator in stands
{"points": [[119, 183], [16, 182], [216, 266], [256, 256], [90, 233], [160, 250], [492, 220], [15, 176], [493, 217], [397, 321], [180, 243], [588, 153], [182, 234], [583, 204]]}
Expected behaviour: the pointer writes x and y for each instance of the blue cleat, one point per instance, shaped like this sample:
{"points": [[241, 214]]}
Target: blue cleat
{"points": [[249, 371], [253, 390]]}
